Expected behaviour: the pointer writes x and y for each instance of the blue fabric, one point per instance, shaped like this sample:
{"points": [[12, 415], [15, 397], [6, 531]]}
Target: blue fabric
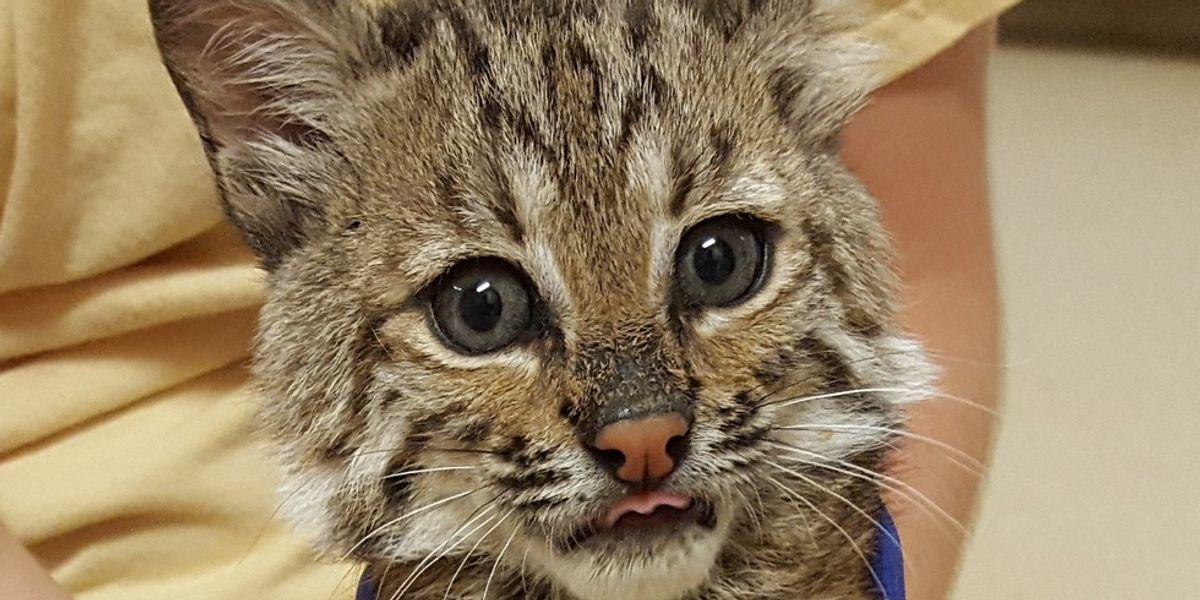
{"points": [[366, 589], [888, 564]]}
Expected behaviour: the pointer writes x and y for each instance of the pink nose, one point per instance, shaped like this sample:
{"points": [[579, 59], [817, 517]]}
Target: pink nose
{"points": [[649, 447]]}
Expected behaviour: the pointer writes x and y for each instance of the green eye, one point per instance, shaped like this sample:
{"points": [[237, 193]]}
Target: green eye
{"points": [[721, 261], [482, 305]]}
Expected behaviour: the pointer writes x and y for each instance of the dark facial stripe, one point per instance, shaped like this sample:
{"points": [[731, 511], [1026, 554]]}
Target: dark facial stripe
{"points": [[398, 490], [721, 142], [820, 247], [533, 479], [540, 503], [368, 352], [650, 93], [631, 117], [786, 85], [504, 209], [683, 174], [837, 372], [502, 203]]}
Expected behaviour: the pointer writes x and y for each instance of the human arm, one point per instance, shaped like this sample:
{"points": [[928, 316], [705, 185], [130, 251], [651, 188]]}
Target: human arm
{"points": [[21, 577], [920, 148]]}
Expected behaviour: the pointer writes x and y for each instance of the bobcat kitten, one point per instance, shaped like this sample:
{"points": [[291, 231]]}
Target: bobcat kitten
{"points": [[567, 299]]}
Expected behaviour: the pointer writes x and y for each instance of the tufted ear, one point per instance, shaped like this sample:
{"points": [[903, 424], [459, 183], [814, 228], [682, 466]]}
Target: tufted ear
{"points": [[259, 78], [820, 72]]}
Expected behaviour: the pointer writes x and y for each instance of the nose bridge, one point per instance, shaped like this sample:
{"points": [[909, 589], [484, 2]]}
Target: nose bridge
{"points": [[628, 381]]}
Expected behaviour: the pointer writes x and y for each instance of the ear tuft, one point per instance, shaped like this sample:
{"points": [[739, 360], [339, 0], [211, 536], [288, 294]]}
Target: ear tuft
{"points": [[251, 68], [260, 79], [821, 72]]}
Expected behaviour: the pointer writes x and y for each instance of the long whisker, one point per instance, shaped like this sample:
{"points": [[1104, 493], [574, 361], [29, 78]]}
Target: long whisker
{"points": [[808, 528], [496, 566], [447, 545], [783, 403], [407, 515], [881, 390], [423, 471], [974, 465], [801, 382], [467, 556], [448, 450], [846, 534], [524, 583], [905, 490], [813, 482]]}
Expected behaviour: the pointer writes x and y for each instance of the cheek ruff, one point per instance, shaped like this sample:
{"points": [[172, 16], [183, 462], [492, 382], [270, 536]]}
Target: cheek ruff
{"points": [[887, 565]]}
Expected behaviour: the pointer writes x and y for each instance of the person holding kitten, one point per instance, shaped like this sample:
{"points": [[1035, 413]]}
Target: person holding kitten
{"points": [[127, 309]]}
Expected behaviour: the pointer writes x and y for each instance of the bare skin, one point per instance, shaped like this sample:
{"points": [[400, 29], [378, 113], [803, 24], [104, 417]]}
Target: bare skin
{"points": [[920, 149], [21, 577]]}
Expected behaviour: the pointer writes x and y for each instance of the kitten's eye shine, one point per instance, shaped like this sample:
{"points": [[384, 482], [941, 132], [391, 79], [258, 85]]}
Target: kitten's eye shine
{"points": [[721, 261], [482, 306]]}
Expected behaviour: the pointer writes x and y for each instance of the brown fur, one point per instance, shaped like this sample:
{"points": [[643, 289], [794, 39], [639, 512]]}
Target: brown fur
{"points": [[364, 149]]}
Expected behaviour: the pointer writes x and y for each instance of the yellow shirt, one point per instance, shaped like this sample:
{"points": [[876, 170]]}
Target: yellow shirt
{"points": [[126, 310]]}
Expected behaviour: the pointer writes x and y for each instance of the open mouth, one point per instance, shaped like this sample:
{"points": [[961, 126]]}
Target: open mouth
{"points": [[643, 517]]}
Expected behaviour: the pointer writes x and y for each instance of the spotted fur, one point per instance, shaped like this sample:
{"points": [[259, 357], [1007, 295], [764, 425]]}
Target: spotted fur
{"points": [[364, 147]]}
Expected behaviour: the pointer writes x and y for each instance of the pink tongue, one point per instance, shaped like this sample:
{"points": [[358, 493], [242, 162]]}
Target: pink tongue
{"points": [[644, 503]]}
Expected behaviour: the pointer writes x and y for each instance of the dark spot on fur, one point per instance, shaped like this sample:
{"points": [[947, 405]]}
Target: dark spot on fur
{"points": [[584, 63], [728, 16], [491, 111], [471, 430], [470, 45], [534, 479], [526, 131], [772, 371], [660, 90], [540, 503], [514, 445], [529, 457], [786, 84], [340, 450], [742, 439], [567, 410], [642, 23], [422, 428], [403, 28], [398, 490]]}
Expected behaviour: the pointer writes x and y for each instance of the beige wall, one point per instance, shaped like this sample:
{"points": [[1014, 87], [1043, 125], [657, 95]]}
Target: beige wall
{"points": [[1095, 491]]}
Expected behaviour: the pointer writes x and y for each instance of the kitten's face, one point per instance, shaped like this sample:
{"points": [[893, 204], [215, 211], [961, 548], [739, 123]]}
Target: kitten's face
{"points": [[495, 240]]}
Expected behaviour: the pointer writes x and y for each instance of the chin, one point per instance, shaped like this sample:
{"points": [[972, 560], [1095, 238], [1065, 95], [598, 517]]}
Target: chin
{"points": [[662, 556]]}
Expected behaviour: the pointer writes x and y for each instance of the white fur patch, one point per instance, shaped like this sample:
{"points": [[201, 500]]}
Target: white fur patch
{"points": [[669, 574]]}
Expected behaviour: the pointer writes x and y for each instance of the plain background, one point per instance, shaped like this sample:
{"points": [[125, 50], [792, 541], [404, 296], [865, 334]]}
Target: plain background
{"points": [[1096, 179]]}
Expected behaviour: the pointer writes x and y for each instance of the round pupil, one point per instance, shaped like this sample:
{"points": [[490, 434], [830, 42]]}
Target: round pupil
{"points": [[714, 261], [481, 307]]}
